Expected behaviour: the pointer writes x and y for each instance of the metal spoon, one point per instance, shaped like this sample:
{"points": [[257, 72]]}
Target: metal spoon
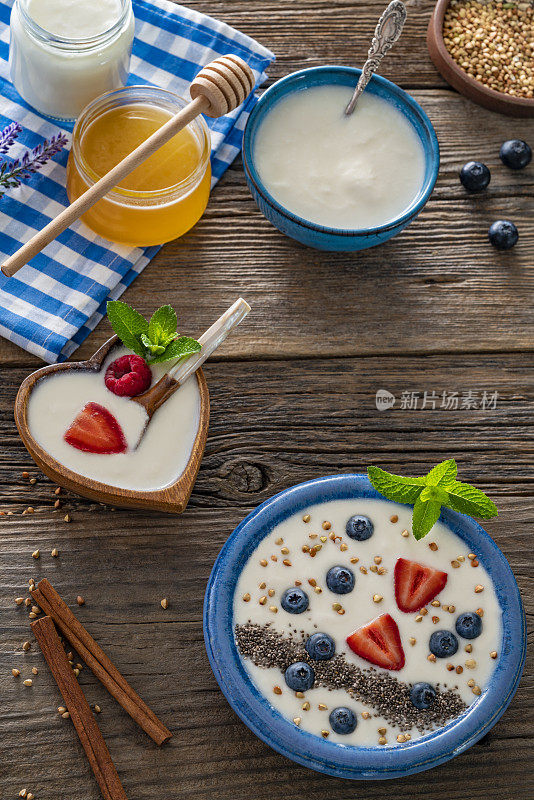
{"points": [[387, 32]]}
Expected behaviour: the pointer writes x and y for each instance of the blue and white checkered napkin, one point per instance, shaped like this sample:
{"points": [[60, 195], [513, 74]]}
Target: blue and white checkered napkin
{"points": [[51, 305]]}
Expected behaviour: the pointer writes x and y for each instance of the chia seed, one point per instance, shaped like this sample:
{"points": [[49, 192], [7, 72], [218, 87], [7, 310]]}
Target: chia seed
{"points": [[386, 694]]}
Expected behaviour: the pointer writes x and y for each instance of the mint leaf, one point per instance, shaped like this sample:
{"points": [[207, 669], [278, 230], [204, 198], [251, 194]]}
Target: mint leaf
{"points": [[128, 324], [395, 487], [163, 325], [179, 348], [468, 500], [442, 473], [439, 488], [157, 340], [154, 349], [168, 339], [425, 515], [434, 493]]}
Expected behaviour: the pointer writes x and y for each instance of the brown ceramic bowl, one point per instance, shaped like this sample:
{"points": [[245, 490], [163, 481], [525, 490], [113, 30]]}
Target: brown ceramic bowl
{"points": [[464, 83]]}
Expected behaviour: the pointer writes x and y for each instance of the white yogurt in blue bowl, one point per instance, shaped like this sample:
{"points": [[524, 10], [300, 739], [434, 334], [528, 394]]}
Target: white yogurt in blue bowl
{"points": [[354, 649], [337, 182], [340, 172]]}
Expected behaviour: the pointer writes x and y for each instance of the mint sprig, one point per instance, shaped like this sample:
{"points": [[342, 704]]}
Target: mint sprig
{"points": [[156, 340], [429, 493]]}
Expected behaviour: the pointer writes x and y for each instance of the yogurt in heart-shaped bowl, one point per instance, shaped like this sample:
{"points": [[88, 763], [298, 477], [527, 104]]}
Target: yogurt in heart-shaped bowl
{"points": [[117, 429], [354, 649], [158, 473]]}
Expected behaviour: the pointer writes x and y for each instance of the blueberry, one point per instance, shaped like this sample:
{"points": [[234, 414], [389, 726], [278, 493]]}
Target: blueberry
{"points": [[475, 176], [422, 695], [294, 600], [503, 234], [443, 644], [340, 580], [359, 527], [320, 647], [515, 153], [469, 625], [299, 676], [342, 720]]}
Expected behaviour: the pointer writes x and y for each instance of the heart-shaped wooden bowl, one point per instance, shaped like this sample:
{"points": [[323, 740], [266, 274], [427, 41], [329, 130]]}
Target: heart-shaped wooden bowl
{"points": [[464, 83], [172, 499]]}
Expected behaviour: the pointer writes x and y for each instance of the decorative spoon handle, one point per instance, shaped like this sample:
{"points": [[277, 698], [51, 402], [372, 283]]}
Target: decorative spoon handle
{"points": [[211, 339], [387, 32], [158, 394]]}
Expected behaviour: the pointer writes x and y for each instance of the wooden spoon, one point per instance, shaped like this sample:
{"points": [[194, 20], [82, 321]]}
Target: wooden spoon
{"points": [[217, 89], [154, 397]]}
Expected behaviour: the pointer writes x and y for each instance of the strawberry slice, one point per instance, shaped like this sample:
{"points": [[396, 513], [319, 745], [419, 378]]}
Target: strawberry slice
{"points": [[416, 585], [379, 642], [95, 430]]}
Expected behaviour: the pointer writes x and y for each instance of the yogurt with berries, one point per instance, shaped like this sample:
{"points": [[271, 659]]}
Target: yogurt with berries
{"points": [[88, 423], [360, 634]]}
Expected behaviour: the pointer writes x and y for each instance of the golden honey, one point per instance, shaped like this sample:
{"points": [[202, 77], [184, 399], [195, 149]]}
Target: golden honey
{"points": [[163, 197]]}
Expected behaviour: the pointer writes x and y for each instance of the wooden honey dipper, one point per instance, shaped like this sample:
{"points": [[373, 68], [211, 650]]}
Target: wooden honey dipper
{"points": [[217, 89]]}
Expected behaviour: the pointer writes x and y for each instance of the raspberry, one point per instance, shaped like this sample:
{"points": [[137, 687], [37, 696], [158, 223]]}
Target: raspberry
{"points": [[128, 376]]}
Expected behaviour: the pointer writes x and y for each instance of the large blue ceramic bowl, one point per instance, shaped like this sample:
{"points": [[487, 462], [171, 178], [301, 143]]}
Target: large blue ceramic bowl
{"points": [[320, 236], [336, 759]]}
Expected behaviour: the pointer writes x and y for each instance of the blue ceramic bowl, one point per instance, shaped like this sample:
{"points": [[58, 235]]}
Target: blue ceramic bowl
{"points": [[320, 236], [336, 759]]}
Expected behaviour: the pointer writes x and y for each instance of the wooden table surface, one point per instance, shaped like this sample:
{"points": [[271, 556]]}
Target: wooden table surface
{"points": [[293, 398]]}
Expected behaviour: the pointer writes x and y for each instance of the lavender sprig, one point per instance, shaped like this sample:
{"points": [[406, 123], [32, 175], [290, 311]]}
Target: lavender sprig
{"points": [[8, 136], [12, 173]]}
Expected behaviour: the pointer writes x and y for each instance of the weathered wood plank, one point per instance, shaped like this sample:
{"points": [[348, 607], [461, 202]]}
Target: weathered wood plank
{"points": [[314, 32], [435, 309], [294, 421], [438, 286], [162, 655], [297, 419]]}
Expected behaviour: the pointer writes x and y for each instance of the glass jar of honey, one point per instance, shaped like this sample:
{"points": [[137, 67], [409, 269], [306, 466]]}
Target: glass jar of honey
{"points": [[164, 196]]}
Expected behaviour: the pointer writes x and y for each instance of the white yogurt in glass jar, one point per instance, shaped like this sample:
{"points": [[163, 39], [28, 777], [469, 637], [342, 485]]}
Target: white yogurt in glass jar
{"points": [[64, 53], [348, 173], [264, 629], [164, 450]]}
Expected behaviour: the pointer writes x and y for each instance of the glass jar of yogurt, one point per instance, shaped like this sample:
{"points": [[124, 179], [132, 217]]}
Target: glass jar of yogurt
{"points": [[64, 53]]}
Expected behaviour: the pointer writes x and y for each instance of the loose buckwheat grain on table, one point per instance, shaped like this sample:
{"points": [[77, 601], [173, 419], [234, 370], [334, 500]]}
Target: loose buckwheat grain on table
{"points": [[493, 43]]}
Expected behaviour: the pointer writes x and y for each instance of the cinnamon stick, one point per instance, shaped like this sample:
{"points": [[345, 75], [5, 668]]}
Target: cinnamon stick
{"points": [[98, 662], [80, 712]]}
